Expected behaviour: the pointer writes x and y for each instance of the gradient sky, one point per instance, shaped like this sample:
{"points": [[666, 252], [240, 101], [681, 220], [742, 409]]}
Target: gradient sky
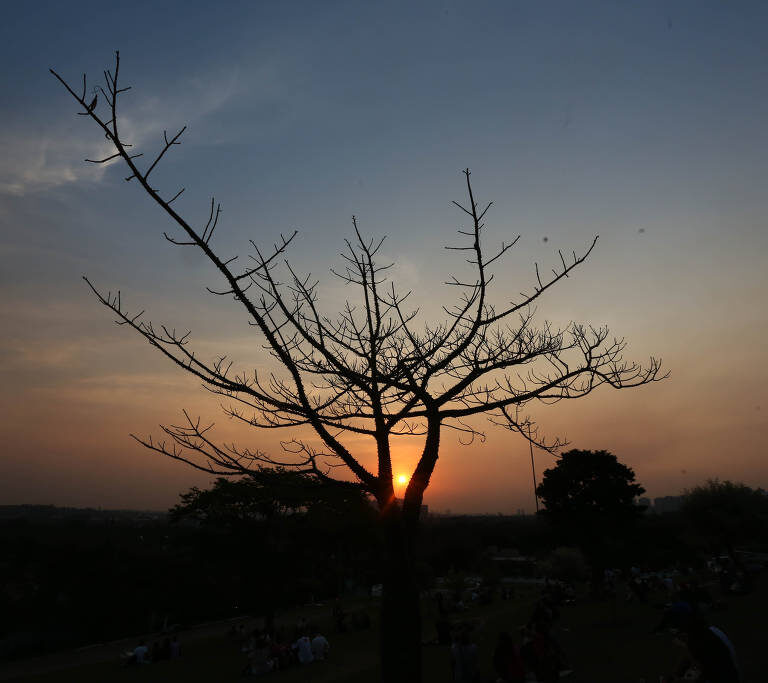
{"points": [[644, 123]]}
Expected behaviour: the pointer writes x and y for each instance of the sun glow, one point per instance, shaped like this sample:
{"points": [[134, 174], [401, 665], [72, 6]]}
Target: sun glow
{"points": [[402, 480]]}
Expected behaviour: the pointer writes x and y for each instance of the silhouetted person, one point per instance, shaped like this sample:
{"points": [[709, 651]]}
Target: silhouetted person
{"points": [[140, 653], [541, 653], [280, 651], [320, 647], [707, 648], [464, 658], [260, 659], [174, 651], [303, 649], [507, 661]]}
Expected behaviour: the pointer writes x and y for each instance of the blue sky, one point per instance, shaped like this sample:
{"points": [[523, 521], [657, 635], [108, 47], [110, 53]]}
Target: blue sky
{"points": [[641, 122]]}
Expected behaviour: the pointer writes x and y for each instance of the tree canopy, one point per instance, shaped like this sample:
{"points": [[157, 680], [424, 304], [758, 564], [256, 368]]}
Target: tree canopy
{"points": [[268, 494], [589, 485], [725, 513], [589, 498]]}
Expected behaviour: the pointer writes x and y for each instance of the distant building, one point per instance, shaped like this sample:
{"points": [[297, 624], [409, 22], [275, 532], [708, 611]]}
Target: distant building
{"points": [[646, 503]]}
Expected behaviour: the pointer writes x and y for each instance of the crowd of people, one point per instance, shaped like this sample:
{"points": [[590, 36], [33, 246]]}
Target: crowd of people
{"points": [[166, 648], [535, 655], [532, 652], [733, 577], [276, 649], [522, 653], [708, 656]]}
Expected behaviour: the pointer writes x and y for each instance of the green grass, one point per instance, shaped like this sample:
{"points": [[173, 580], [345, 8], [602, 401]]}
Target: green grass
{"points": [[605, 642]]}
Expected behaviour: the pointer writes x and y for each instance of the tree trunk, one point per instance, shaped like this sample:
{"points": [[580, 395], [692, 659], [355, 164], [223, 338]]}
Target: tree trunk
{"points": [[400, 647]]}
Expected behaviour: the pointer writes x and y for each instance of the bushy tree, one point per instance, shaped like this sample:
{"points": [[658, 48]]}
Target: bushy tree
{"points": [[725, 514], [287, 536], [589, 485], [589, 497], [268, 494]]}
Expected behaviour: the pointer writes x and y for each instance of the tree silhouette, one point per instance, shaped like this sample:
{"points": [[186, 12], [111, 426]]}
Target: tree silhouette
{"points": [[589, 496], [271, 493], [368, 371], [725, 514], [292, 534]]}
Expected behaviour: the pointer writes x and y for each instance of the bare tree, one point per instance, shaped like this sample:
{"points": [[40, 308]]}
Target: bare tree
{"points": [[369, 370]]}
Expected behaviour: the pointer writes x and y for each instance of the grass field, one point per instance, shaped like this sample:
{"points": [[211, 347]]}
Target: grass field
{"points": [[606, 642]]}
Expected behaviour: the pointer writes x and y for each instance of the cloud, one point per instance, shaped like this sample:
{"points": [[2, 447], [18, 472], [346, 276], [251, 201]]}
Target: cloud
{"points": [[34, 162], [38, 158], [188, 102]]}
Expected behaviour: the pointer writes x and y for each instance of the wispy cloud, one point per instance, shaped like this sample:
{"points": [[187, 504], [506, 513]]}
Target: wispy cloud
{"points": [[38, 158], [32, 162]]}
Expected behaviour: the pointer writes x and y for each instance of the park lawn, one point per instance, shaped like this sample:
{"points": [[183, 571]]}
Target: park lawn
{"points": [[606, 642], [612, 642]]}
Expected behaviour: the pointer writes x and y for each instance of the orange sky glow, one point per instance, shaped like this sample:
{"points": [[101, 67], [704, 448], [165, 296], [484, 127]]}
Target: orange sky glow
{"points": [[642, 123]]}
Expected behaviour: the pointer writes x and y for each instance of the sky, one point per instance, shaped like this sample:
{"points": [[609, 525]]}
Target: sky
{"points": [[644, 123]]}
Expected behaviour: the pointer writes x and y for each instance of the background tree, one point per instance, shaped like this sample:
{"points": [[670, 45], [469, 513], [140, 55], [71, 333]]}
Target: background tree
{"points": [[589, 496], [270, 493], [294, 536], [368, 371], [725, 514]]}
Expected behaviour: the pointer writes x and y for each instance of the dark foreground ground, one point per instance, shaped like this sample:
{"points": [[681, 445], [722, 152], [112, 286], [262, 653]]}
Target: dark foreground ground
{"points": [[606, 642]]}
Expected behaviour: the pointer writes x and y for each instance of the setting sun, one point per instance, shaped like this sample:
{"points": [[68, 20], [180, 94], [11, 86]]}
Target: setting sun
{"points": [[402, 479]]}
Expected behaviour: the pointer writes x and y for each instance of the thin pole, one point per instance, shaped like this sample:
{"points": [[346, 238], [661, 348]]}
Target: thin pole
{"points": [[533, 470]]}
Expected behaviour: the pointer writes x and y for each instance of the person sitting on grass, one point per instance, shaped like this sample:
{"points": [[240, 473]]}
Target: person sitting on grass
{"points": [[259, 657], [708, 650], [261, 662], [320, 647], [280, 651], [303, 648]]}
